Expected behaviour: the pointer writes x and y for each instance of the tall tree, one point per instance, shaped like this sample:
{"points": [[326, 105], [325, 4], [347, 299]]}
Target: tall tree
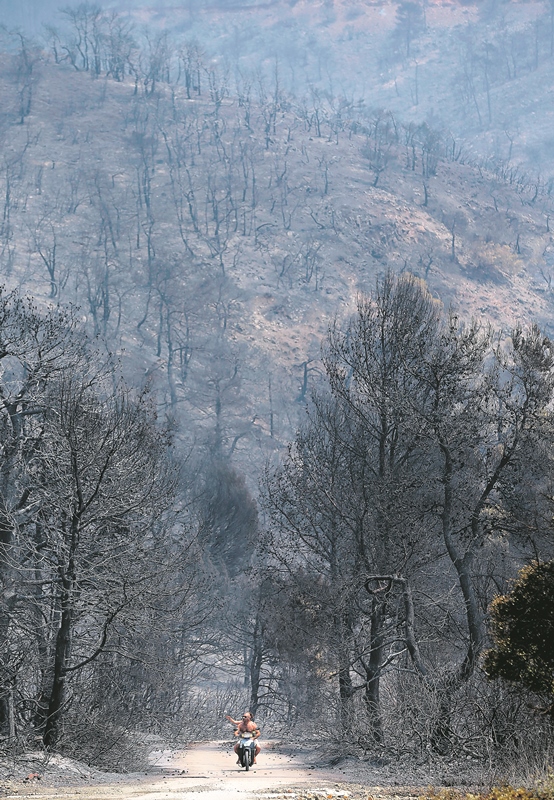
{"points": [[415, 456], [85, 485]]}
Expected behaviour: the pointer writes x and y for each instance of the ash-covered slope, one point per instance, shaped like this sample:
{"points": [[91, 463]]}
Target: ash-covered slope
{"points": [[211, 233], [481, 69]]}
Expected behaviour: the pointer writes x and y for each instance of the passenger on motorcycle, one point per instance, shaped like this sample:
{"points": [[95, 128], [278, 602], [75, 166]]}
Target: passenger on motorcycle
{"points": [[246, 725]]}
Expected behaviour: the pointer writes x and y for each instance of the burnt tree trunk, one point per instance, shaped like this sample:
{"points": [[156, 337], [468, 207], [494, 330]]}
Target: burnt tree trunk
{"points": [[62, 651], [256, 661], [373, 668]]}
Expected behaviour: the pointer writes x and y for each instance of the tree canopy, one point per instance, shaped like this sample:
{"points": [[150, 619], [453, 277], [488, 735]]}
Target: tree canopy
{"points": [[522, 627]]}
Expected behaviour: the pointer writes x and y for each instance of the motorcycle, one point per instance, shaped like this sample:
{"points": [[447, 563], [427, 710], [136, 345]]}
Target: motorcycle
{"points": [[247, 749]]}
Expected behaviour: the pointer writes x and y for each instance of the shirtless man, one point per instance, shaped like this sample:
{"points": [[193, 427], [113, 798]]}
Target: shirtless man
{"points": [[245, 725]]}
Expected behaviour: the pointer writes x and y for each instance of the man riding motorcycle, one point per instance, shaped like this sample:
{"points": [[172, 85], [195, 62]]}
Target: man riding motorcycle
{"points": [[245, 725]]}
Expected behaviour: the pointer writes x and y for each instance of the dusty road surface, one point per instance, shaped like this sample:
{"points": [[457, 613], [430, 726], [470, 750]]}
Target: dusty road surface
{"points": [[205, 772]]}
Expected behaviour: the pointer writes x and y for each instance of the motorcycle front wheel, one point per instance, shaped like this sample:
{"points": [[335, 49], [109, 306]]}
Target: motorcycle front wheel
{"points": [[247, 759]]}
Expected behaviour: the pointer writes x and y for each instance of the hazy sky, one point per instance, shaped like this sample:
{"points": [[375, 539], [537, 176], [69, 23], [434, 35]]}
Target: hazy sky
{"points": [[30, 14]]}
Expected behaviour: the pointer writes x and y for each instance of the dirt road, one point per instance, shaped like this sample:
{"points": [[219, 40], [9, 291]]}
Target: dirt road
{"points": [[207, 772]]}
